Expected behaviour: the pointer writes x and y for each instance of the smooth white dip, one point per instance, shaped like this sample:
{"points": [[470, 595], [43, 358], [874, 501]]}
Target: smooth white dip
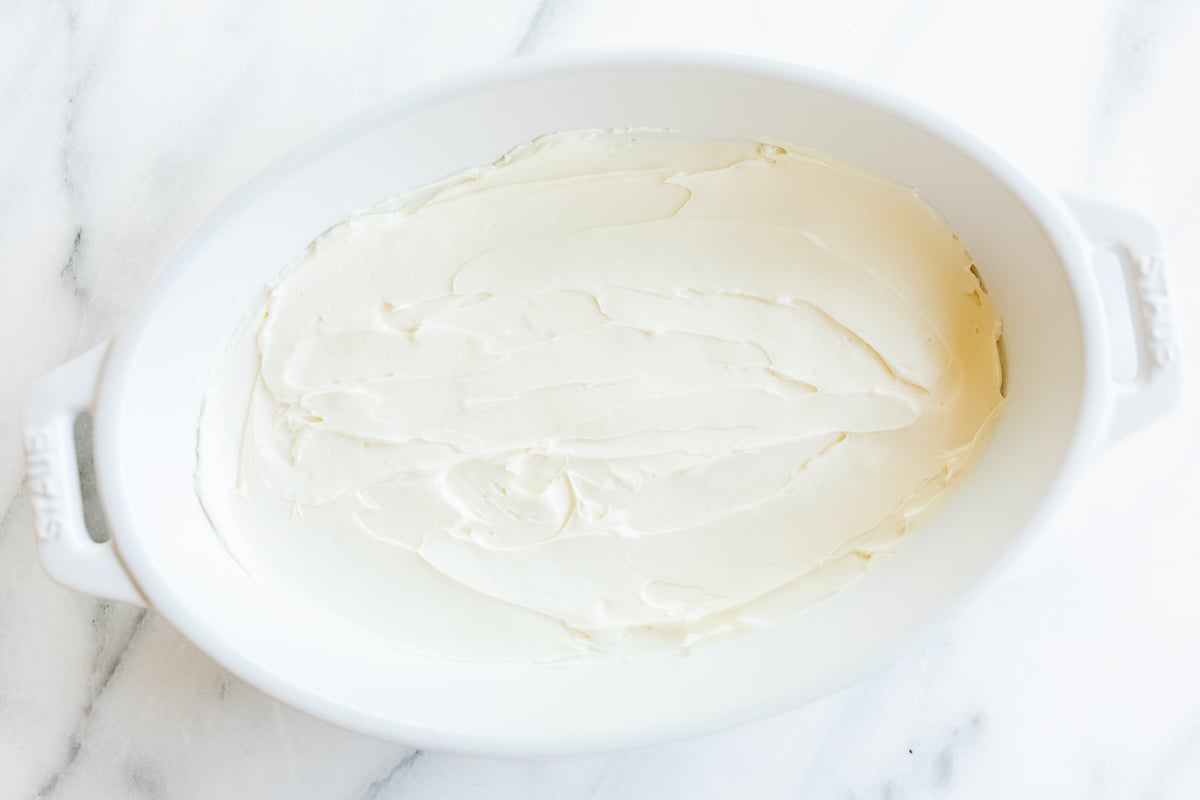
{"points": [[616, 393]]}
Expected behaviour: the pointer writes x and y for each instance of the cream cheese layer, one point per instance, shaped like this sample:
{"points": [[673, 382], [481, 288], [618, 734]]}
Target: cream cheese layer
{"points": [[617, 393]]}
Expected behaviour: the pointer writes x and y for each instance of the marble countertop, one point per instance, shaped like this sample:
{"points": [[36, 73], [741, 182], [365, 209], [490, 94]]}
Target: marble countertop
{"points": [[124, 125]]}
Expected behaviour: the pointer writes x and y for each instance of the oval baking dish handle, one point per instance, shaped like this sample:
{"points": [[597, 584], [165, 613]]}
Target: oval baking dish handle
{"points": [[69, 554], [1137, 245]]}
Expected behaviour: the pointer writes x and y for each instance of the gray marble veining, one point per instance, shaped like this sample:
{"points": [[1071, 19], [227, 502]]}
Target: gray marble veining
{"points": [[125, 125]]}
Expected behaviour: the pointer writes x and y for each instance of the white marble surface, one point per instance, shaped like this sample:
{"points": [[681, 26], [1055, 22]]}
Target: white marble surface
{"points": [[122, 125]]}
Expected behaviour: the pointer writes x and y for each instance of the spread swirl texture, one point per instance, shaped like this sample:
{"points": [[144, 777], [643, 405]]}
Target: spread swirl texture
{"points": [[618, 393]]}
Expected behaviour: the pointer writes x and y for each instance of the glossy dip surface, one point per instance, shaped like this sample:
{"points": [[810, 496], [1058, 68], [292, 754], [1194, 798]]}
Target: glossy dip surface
{"points": [[618, 393]]}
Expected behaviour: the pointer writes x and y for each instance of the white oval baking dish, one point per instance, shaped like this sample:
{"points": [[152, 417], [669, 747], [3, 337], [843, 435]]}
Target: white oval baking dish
{"points": [[1037, 254]]}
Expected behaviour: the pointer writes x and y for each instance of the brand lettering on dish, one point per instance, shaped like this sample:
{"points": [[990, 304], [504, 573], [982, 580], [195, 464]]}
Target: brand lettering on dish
{"points": [[1151, 277], [44, 491]]}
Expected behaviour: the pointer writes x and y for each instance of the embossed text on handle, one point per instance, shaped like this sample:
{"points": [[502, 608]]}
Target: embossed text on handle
{"points": [[1150, 276]]}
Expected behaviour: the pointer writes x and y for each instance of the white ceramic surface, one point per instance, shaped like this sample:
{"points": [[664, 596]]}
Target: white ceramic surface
{"points": [[1071, 676], [146, 393]]}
